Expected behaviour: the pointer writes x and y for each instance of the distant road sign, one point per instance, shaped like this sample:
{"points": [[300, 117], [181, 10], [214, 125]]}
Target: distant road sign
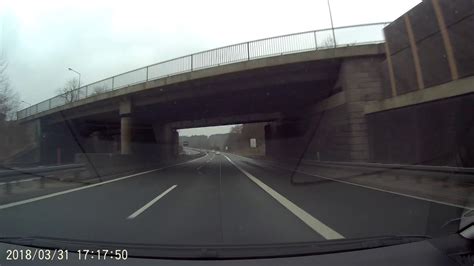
{"points": [[253, 143]]}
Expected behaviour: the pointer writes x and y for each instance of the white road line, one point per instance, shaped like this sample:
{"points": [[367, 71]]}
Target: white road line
{"points": [[148, 205], [13, 204], [201, 166], [369, 187], [389, 191], [315, 224]]}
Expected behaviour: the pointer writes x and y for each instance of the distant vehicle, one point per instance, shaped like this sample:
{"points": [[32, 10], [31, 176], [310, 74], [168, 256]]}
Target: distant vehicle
{"points": [[185, 143], [218, 152]]}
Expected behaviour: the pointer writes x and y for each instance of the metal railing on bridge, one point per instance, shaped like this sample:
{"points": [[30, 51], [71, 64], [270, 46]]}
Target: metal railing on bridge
{"points": [[274, 46]]}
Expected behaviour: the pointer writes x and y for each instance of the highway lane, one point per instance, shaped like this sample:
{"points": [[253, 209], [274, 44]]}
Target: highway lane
{"points": [[216, 203], [211, 201], [356, 211]]}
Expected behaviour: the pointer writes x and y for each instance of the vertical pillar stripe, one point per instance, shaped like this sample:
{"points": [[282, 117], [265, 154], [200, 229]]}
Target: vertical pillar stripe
{"points": [[414, 51]]}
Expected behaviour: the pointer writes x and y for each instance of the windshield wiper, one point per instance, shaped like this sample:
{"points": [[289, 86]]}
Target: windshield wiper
{"points": [[215, 251]]}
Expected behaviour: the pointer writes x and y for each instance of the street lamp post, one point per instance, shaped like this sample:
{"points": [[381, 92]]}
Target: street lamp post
{"points": [[332, 25], [70, 69], [26, 103]]}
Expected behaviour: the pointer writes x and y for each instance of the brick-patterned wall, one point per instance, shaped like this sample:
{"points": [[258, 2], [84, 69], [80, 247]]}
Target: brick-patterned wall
{"points": [[340, 133], [362, 83]]}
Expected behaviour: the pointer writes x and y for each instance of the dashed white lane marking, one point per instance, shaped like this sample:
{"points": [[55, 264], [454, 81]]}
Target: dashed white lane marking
{"points": [[148, 205], [13, 204], [318, 226]]}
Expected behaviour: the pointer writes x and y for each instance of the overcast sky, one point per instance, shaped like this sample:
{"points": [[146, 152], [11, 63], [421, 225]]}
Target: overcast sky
{"points": [[41, 39]]}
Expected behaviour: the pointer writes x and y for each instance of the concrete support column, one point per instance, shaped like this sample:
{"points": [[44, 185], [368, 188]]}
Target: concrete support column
{"points": [[336, 128], [175, 143], [116, 144], [95, 138], [287, 138], [125, 126], [125, 135], [362, 83], [268, 140], [167, 141]]}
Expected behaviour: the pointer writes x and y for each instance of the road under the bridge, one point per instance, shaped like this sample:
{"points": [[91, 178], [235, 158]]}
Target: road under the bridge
{"points": [[221, 199]]}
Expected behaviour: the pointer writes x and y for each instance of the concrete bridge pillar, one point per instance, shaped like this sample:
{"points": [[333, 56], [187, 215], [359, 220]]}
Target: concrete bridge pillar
{"points": [[95, 139], [334, 129], [125, 126], [340, 127], [362, 83], [286, 138], [268, 139], [167, 140]]}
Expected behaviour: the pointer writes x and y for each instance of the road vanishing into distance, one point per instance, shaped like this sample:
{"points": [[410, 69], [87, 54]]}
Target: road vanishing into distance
{"points": [[220, 198]]}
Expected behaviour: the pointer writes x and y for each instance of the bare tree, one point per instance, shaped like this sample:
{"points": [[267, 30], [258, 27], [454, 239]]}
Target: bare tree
{"points": [[14, 136], [99, 89], [329, 42], [69, 91], [9, 99]]}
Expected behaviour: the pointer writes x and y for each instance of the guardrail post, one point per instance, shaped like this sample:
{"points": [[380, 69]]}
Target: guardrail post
{"points": [[146, 74], [113, 82], [248, 51], [192, 59], [315, 41]]}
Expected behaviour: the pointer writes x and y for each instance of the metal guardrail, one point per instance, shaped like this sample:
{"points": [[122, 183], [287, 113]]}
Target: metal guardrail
{"points": [[13, 177], [274, 46], [446, 174], [466, 173], [395, 167], [39, 170]]}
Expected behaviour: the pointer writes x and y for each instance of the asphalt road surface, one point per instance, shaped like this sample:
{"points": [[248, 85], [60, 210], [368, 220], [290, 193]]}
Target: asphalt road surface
{"points": [[221, 199]]}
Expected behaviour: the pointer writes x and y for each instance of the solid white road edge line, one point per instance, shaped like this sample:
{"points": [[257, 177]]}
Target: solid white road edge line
{"points": [[374, 188], [148, 205], [315, 224], [13, 204], [367, 187]]}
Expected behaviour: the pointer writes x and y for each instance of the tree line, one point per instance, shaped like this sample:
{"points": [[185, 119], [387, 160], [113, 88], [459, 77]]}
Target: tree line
{"points": [[237, 140]]}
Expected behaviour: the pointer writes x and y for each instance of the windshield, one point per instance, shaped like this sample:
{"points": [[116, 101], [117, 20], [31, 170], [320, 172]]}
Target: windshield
{"points": [[191, 125]]}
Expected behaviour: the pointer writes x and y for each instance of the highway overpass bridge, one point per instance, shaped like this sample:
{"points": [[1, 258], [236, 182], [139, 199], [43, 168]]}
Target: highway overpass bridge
{"points": [[405, 98]]}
